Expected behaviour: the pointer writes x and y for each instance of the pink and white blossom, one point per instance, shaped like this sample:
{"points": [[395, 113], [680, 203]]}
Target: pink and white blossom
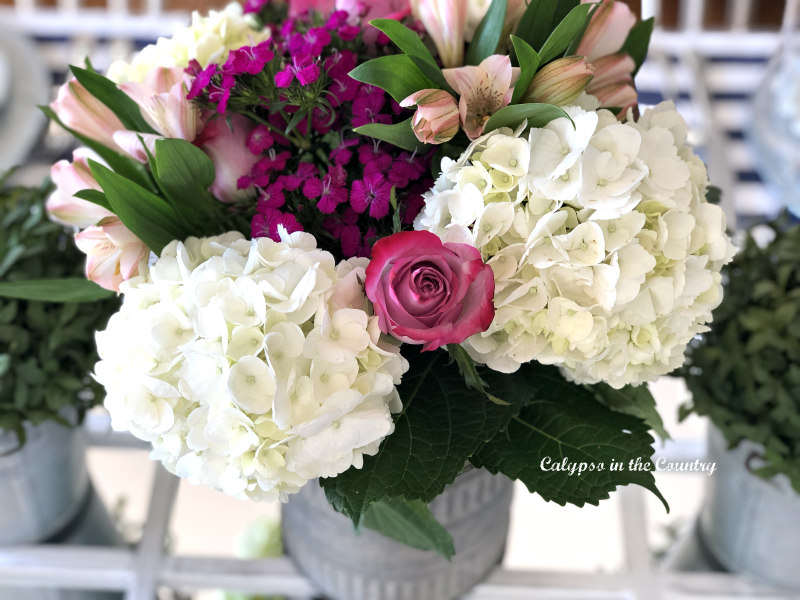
{"points": [[86, 115], [113, 252], [483, 90], [437, 118], [69, 178], [445, 21]]}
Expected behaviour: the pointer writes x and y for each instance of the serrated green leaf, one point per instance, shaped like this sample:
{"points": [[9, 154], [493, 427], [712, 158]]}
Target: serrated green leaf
{"points": [[418, 460], [398, 134], [529, 61], [564, 425], [54, 290], [409, 522], [409, 42], [122, 105], [396, 74], [565, 33], [487, 36], [634, 401], [638, 41], [147, 216], [537, 114]]}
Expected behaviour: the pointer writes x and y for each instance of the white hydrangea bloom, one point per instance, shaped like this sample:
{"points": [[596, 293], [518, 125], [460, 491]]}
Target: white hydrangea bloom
{"points": [[251, 366], [208, 40], [606, 255]]}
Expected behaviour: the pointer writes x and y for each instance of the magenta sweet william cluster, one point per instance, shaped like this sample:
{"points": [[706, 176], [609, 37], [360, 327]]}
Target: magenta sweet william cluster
{"points": [[309, 169]]}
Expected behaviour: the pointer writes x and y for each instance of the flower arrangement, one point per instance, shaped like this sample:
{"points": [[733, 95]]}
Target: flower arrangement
{"points": [[377, 242], [745, 373]]}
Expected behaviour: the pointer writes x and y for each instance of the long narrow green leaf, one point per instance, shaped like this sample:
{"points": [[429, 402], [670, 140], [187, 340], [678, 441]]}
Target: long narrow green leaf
{"points": [[565, 32], [396, 74], [398, 134], [487, 35], [536, 22], [127, 167], [537, 114], [95, 197], [115, 99], [529, 60], [638, 41], [54, 290], [149, 217], [409, 42], [184, 173]]}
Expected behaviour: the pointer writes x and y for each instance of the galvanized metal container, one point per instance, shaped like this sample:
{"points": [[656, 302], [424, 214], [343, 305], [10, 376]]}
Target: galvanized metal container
{"points": [[750, 525], [43, 484], [346, 566]]}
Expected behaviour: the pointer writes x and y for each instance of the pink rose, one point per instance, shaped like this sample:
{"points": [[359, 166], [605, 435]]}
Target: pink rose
{"points": [[428, 292]]}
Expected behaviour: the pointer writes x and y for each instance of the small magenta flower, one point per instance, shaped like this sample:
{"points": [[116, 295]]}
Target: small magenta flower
{"points": [[373, 192], [309, 43], [329, 189], [202, 78], [260, 140], [436, 120], [265, 224], [304, 69], [560, 82], [249, 59]]}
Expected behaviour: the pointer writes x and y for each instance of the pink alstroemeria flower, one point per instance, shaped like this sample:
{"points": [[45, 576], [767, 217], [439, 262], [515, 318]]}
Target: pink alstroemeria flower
{"points": [[298, 7], [607, 31], [162, 101], [113, 252], [85, 114], [437, 118], [227, 148], [69, 178], [484, 90], [446, 22]]}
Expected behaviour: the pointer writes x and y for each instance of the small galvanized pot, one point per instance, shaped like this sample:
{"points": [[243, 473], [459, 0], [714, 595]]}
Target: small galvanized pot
{"points": [[750, 525], [346, 566], [43, 484]]}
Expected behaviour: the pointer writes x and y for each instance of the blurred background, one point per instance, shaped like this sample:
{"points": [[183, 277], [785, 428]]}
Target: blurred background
{"points": [[710, 57]]}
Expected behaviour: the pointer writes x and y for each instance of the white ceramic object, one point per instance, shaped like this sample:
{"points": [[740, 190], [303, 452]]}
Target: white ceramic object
{"points": [[43, 484], [750, 525], [346, 566]]}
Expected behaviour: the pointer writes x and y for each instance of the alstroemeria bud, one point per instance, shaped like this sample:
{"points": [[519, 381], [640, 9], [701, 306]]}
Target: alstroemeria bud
{"points": [[85, 114], [437, 119], [614, 68], [446, 22], [607, 31], [621, 95], [560, 82]]}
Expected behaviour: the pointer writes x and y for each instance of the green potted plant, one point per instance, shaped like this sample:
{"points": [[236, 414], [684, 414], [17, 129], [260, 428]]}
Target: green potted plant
{"points": [[46, 352], [745, 376]]}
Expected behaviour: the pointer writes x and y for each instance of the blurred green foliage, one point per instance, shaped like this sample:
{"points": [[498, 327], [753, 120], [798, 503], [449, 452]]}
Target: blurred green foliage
{"points": [[46, 349], [745, 373]]}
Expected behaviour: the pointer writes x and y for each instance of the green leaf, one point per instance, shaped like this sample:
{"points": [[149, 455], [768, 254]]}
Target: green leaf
{"points": [[487, 35], [409, 522], [442, 424], [398, 134], [565, 32], [634, 401], [184, 173], [638, 41], [409, 42], [396, 74], [125, 166], [565, 426], [94, 196], [147, 216], [54, 290], [115, 99], [529, 61], [536, 22], [538, 115]]}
